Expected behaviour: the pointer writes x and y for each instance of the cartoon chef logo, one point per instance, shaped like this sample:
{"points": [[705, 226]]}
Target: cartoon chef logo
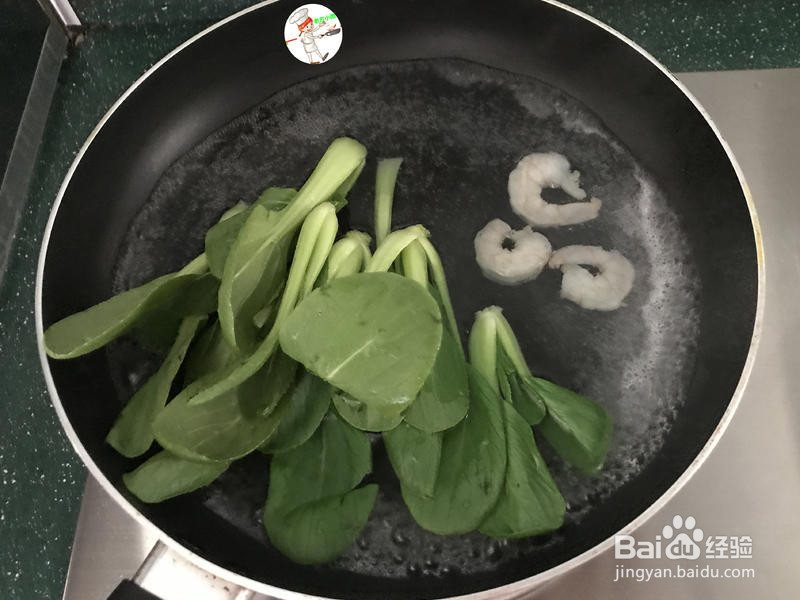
{"points": [[313, 34]]}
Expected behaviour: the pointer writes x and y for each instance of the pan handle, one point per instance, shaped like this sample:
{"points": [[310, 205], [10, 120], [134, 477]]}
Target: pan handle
{"points": [[165, 575], [127, 590]]}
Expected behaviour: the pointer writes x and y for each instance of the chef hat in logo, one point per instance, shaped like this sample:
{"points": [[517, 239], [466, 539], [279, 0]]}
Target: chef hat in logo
{"points": [[300, 18]]}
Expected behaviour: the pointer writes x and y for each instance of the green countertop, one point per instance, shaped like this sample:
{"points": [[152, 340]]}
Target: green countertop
{"points": [[41, 479]]}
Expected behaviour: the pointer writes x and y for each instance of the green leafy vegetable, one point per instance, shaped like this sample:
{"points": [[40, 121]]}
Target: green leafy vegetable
{"points": [[306, 322], [165, 476], [385, 181], [415, 456], [373, 335], [236, 422], [527, 400], [444, 398], [83, 332], [225, 428], [579, 429], [219, 430], [132, 433], [472, 467], [299, 413], [312, 513], [518, 389], [221, 237], [230, 376], [319, 531], [260, 394], [530, 503], [263, 245], [253, 273], [208, 353], [363, 416]]}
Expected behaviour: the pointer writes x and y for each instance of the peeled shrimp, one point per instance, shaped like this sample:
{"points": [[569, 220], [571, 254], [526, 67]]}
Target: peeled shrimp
{"points": [[548, 169], [523, 261], [604, 291]]}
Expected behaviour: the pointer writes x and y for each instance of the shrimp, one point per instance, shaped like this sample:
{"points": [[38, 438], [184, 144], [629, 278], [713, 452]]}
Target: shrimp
{"points": [[509, 257], [548, 169], [604, 291]]}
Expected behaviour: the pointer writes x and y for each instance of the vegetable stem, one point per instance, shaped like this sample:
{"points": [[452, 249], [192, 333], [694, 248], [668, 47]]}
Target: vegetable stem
{"points": [[391, 247], [507, 339], [385, 180], [323, 241], [483, 345], [440, 281], [415, 264], [198, 266], [348, 255], [341, 160], [344, 189], [234, 210], [304, 254]]}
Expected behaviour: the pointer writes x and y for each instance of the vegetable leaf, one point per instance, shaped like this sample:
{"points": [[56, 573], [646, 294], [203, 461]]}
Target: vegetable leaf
{"points": [[312, 513], [220, 237], [579, 429], [132, 433], [517, 389], [363, 416], [333, 461], [373, 335], [165, 475], [217, 430], [253, 272], [530, 503], [444, 398], [209, 352], [526, 399], [472, 467], [315, 240], [320, 531], [301, 413], [83, 332], [260, 394], [157, 329], [415, 456]]}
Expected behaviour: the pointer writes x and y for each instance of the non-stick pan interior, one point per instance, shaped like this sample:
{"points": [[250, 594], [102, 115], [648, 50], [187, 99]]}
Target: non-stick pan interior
{"points": [[665, 365]]}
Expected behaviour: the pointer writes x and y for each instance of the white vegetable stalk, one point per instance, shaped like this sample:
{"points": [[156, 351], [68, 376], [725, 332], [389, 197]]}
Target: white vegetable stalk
{"points": [[391, 247], [343, 160], [385, 180], [349, 255], [415, 263], [440, 281], [483, 345]]}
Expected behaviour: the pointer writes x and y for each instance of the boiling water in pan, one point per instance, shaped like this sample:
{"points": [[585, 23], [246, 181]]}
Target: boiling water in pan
{"points": [[461, 128]]}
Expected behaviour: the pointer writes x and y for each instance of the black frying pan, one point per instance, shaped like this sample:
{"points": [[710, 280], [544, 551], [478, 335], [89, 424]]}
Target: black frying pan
{"points": [[461, 90]]}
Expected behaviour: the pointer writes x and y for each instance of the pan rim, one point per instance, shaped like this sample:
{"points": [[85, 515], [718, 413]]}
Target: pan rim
{"points": [[506, 591]]}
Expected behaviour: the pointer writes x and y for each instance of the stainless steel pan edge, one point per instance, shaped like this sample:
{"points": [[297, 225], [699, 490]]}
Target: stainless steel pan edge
{"points": [[508, 592]]}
